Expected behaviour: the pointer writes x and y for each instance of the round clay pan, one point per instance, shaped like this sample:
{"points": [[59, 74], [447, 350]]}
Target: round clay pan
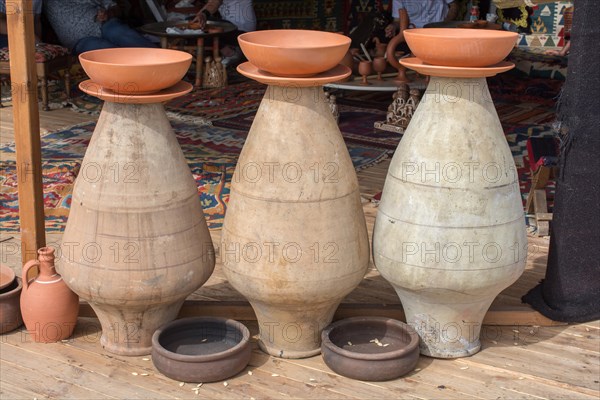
{"points": [[201, 349], [370, 348], [7, 276], [294, 52]]}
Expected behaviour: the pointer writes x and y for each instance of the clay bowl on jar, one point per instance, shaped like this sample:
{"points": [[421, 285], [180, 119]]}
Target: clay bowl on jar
{"points": [[294, 52], [456, 47], [201, 349], [370, 348], [10, 306], [135, 70]]}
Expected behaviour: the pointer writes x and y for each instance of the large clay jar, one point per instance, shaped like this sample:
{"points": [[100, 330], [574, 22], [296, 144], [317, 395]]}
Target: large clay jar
{"points": [[450, 233], [136, 242], [294, 237], [48, 306]]}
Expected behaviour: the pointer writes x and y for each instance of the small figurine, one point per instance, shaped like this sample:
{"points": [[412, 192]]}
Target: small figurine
{"points": [[214, 73], [410, 107], [396, 109], [333, 106]]}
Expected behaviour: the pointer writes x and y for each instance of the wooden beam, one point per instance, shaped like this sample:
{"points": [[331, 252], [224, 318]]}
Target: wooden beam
{"points": [[242, 311], [21, 41]]}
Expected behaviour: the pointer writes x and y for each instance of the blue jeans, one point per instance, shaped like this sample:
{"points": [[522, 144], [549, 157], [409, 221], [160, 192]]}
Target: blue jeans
{"points": [[115, 33]]}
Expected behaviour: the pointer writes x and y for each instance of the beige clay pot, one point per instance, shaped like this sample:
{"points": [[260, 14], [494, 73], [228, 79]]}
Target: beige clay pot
{"points": [[294, 237], [136, 242], [450, 232]]}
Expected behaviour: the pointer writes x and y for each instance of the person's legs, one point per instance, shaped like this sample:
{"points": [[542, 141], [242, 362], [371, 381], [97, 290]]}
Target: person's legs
{"points": [[91, 43], [230, 49], [3, 41], [122, 35]]}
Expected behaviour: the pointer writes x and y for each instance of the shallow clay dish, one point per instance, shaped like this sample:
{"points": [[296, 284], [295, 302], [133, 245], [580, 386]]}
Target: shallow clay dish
{"points": [[10, 306], [294, 52], [96, 90], [7, 276], [455, 72], [335, 74], [456, 47], [201, 349], [135, 70], [370, 348]]}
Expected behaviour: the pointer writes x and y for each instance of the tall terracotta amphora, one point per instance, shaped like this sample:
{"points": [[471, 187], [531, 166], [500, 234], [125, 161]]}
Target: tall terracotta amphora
{"points": [[48, 306], [450, 230], [136, 242]]}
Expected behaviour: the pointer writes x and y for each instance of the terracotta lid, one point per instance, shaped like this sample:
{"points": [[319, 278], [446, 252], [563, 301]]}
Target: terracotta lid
{"points": [[456, 47], [96, 90], [7, 276], [335, 74], [455, 72]]}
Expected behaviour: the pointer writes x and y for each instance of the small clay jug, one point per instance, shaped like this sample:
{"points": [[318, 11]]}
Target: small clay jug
{"points": [[48, 306]]}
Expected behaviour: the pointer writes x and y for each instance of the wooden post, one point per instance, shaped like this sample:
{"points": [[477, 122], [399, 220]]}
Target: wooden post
{"points": [[19, 16]]}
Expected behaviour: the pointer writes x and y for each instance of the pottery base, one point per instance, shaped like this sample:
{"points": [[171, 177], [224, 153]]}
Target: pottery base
{"points": [[128, 331], [292, 332], [447, 330]]}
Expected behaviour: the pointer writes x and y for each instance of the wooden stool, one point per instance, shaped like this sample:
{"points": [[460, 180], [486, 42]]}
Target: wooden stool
{"points": [[543, 159], [49, 58]]}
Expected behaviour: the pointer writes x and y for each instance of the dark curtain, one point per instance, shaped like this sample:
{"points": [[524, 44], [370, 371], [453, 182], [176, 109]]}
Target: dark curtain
{"points": [[570, 291]]}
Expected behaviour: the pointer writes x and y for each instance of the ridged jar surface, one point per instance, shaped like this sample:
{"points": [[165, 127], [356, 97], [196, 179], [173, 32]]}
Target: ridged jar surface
{"points": [[450, 231], [136, 237], [294, 238]]}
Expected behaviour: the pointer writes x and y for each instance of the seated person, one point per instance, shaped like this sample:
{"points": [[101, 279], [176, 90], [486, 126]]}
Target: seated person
{"points": [[238, 12], [84, 25], [418, 13], [37, 11]]}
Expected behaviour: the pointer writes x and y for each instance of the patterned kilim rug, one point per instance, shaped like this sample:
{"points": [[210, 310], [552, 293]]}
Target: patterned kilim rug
{"points": [[516, 137], [211, 153]]}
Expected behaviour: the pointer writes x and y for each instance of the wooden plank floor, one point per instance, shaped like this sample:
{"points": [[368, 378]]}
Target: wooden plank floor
{"points": [[521, 361]]}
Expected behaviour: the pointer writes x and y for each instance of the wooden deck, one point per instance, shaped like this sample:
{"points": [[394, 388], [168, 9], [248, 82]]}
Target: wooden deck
{"points": [[526, 356]]}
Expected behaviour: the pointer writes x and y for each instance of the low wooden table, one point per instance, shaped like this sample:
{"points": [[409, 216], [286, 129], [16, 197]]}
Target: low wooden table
{"points": [[213, 30]]}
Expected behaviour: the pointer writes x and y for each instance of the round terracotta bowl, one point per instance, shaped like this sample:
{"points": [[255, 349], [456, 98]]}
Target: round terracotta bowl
{"points": [[370, 348], [135, 70], [294, 52], [10, 306], [201, 349], [456, 47]]}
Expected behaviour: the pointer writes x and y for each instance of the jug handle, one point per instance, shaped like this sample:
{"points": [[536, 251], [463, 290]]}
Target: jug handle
{"points": [[30, 264]]}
